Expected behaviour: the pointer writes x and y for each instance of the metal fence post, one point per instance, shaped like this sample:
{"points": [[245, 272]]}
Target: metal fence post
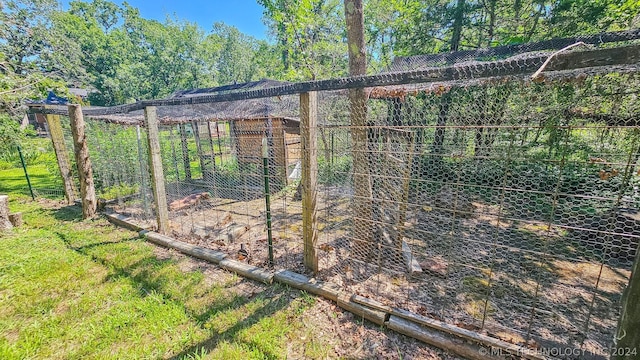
{"points": [[267, 196], [26, 173]]}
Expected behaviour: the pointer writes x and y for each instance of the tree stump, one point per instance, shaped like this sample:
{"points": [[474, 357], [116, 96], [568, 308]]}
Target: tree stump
{"points": [[16, 219], [5, 224]]}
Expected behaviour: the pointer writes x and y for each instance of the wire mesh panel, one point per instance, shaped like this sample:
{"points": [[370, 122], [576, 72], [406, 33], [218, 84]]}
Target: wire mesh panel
{"points": [[507, 208], [216, 182], [119, 159]]}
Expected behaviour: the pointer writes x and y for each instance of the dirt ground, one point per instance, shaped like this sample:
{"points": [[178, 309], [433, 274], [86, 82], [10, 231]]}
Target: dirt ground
{"points": [[512, 279]]}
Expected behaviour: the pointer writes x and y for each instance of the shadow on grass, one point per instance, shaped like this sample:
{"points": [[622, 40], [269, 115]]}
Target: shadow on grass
{"points": [[143, 273], [272, 306], [68, 213]]}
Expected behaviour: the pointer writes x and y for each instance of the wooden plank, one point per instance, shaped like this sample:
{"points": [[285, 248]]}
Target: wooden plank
{"points": [[441, 340], [124, 221], [465, 334], [157, 173], [62, 156], [83, 162], [308, 124], [299, 281], [201, 253], [246, 270], [373, 315]]}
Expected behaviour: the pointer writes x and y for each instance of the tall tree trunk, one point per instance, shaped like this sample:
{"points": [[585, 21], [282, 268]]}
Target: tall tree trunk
{"points": [[438, 140], [492, 22], [363, 205], [457, 26], [443, 111]]}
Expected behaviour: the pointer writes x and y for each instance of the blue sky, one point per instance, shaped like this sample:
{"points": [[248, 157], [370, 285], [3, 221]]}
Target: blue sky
{"points": [[246, 15]]}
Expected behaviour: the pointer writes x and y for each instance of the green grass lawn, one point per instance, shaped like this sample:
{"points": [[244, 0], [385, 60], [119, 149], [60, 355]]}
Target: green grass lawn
{"points": [[86, 289], [13, 181]]}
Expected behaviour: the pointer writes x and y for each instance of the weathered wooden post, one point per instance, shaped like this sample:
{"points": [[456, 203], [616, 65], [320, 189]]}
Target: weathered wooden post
{"points": [[627, 341], [308, 125], [83, 162], [57, 138], [157, 174], [5, 224], [185, 152]]}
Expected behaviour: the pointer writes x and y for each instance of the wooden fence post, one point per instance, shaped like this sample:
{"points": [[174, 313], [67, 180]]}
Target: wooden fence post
{"points": [[85, 173], [184, 144], [308, 125], [157, 173], [627, 341], [57, 138]]}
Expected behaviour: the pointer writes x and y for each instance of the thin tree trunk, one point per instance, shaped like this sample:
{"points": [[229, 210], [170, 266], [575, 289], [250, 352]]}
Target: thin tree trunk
{"points": [[85, 173], [457, 25], [492, 22], [363, 205], [325, 145]]}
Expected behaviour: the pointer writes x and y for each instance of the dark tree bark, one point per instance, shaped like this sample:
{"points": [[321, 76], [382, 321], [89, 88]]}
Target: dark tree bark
{"points": [[438, 140], [457, 25]]}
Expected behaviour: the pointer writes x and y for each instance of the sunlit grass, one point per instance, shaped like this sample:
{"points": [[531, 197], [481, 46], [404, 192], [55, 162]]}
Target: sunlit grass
{"points": [[86, 289]]}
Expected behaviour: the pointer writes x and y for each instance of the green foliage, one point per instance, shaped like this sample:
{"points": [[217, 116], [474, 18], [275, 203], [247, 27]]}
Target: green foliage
{"points": [[10, 134], [119, 191], [334, 172], [310, 37], [31, 55]]}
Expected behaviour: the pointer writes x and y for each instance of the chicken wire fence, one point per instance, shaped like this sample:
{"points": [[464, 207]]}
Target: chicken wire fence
{"points": [[506, 208], [473, 193]]}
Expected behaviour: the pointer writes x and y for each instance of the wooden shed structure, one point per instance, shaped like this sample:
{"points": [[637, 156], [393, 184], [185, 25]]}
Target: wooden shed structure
{"points": [[244, 124]]}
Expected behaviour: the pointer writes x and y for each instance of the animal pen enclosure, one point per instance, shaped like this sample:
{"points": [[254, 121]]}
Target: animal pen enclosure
{"points": [[464, 190]]}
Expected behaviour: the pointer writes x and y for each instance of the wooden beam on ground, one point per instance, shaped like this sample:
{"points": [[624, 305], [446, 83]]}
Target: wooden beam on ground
{"points": [[157, 173], [308, 126], [60, 149], [83, 162]]}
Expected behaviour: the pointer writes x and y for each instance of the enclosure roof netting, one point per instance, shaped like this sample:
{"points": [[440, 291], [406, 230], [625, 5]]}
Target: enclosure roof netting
{"points": [[268, 98], [259, 108], [252, 85], [422, 61]]}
